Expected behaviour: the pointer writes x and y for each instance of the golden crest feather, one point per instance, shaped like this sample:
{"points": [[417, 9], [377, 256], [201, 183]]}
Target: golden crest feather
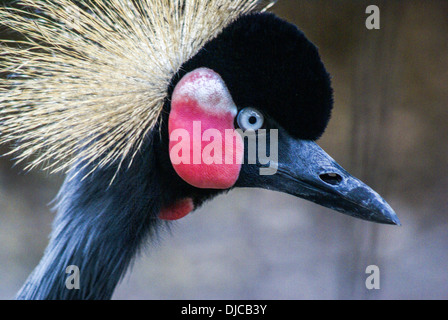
{"points": [[90, 80]]}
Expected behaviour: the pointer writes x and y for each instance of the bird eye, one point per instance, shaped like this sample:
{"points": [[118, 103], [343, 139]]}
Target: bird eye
{"points": [[250, 119]]}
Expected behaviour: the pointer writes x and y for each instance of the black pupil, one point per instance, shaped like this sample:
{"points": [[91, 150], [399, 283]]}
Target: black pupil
{"points": [[253, 120]]}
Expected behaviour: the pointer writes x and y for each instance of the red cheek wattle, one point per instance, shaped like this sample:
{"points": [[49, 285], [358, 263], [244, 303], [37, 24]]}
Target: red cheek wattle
{"points": [[205, 150], [198, 171]]}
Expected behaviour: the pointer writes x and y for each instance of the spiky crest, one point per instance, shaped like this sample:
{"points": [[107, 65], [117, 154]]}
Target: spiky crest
{"points": [[90, 80]]}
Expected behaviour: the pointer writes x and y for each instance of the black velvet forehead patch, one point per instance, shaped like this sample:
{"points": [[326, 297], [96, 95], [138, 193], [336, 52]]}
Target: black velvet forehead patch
{"points": [[268, 63]]}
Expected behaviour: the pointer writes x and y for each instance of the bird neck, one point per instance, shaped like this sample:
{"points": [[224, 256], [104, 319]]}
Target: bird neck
{"points": [[98, 230]]}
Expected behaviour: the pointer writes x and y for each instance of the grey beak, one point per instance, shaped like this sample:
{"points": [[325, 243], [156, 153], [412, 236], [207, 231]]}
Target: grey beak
{"points": [[305, 170], [310, 173]]}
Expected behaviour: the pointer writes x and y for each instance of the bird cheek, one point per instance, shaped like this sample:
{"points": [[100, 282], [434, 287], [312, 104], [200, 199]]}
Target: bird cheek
{"points": [[205, 149]]}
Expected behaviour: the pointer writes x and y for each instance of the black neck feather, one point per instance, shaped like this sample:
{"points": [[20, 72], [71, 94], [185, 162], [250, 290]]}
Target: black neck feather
{"points": [[99, 229]]}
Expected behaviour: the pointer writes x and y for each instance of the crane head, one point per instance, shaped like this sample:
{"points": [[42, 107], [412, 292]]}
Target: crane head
{"points": [[236, 82], [246, 111]]}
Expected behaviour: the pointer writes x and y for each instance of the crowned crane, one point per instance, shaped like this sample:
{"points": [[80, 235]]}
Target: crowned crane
{"points": [[110, 92]]}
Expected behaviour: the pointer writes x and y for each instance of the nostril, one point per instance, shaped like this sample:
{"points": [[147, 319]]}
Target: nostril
{"points": [[331, 178]]}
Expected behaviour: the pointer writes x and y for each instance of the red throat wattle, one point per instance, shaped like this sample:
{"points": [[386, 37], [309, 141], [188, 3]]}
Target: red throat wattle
{"points": [[178, 210]]}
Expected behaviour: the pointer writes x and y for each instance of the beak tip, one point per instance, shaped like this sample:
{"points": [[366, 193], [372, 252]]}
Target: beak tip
{"points": [[396, 221], [384, 212], [390, 217]]}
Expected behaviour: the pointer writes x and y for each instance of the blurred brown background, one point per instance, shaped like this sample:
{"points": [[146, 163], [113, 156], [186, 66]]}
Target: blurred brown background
{"points": [[389, 128]]}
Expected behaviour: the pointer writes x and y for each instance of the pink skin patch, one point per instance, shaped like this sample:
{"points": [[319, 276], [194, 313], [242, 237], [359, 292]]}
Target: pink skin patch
{"points": [[177, 210], [202, 115]]}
